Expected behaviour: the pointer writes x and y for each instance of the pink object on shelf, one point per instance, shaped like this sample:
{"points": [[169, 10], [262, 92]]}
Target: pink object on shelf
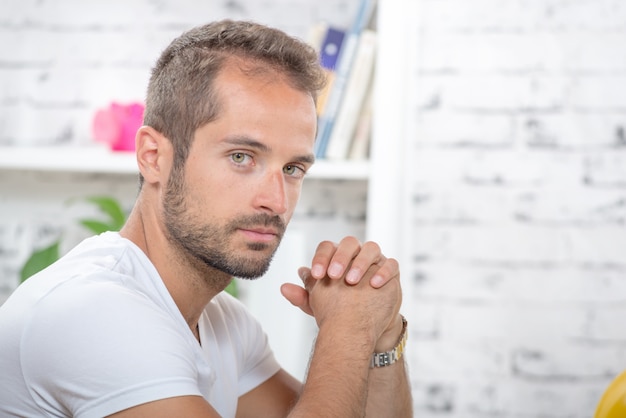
{"points": [[117, 125]]}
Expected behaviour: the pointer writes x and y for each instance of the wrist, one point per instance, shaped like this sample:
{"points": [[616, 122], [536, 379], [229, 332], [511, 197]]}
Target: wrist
{"points": [[389, 337], [343, 345], [389, 357]]}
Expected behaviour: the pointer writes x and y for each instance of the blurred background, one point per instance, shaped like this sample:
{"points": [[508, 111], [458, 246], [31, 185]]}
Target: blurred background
{"points": [[497, 177]]}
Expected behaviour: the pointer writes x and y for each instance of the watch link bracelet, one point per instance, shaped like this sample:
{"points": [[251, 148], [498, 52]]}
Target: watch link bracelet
{"points": [[387, 358]]}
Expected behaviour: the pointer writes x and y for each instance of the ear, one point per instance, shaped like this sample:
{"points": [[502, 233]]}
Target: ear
{"points": [[154, 154]]}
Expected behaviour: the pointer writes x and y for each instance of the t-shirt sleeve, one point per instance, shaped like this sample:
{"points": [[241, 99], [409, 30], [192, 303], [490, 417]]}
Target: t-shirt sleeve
{"points": [[101, 350]]}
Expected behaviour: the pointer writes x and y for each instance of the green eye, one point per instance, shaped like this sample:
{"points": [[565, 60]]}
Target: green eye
{"points": [[238, 157], [293, 171]]}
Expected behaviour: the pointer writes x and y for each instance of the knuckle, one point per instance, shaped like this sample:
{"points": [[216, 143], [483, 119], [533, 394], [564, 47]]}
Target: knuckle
{"points": [[373, 246], [327, 245], [351, 240]]}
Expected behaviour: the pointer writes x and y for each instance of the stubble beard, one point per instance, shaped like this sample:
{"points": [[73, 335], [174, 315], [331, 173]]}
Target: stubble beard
{"points": [[209, 243]]}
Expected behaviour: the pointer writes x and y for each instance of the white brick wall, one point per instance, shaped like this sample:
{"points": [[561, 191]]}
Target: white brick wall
{"points": [[517, 187]]}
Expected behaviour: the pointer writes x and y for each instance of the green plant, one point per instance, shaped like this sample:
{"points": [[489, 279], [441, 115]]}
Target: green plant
{"points": [[42, 258], [115, 218]]}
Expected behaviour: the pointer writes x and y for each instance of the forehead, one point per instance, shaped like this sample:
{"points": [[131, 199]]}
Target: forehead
{"points": [[260, 102]]}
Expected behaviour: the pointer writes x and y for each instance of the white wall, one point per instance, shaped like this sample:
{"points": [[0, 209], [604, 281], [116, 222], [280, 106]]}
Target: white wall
{"points": [[516, 188]]}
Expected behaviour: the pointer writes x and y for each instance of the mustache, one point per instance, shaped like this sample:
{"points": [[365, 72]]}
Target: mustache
{"points": [[259, 219]]}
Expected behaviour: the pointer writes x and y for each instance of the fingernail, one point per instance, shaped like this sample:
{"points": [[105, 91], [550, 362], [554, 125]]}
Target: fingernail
{"points": [[353, 276], [376, 281], [334, 270], [317, 271]]}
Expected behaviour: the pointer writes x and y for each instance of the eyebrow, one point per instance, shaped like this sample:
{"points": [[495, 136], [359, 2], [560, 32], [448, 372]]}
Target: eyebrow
{"points": [[252, 143]]}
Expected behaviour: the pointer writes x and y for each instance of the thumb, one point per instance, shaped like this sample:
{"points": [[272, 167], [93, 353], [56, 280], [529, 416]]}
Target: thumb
{"points": [[297, 296]]}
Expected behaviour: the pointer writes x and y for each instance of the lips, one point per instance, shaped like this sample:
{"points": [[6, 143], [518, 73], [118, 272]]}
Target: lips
{"points": [[260, 234], [262, 231]]}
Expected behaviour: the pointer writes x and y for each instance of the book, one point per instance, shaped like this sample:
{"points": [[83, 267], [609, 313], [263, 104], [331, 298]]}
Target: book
{"points": [[329, 49], [357, 86], [359, 150], [331, 45], [344, 64]]}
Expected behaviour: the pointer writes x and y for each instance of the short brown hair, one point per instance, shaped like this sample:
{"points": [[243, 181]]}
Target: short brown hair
{"points": [[181, 97]]}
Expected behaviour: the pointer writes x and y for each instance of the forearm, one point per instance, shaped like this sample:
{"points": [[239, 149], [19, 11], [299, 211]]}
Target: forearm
{"points": [[337, 380], [389, 393]]}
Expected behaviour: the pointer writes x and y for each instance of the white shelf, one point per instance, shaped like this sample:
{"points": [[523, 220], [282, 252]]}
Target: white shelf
{"points": [[98, 159]]}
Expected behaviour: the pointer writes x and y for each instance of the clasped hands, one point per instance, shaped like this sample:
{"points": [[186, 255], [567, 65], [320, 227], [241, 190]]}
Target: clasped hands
{"points": [[354, 284]]}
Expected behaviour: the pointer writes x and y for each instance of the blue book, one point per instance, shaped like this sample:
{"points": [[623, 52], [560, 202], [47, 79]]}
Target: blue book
{"points": [[331, 45], [329, 49]]}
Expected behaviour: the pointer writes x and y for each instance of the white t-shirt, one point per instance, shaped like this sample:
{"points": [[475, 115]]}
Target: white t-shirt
{"points": [[98, 332]]}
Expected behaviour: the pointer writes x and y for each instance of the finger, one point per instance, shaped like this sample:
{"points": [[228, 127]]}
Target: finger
{"points": [[321, 259], [307, 279], [370, 254], [335, 262], [297, 296], [389, 270]]}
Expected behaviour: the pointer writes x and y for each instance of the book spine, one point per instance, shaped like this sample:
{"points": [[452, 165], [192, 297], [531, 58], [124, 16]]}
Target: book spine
{"points": [[329, 54], [359, 149], [354, 97], [344, 65]]}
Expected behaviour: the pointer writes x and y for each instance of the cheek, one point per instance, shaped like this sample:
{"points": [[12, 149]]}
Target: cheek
{"points": [[206, 191], [293, 194]]}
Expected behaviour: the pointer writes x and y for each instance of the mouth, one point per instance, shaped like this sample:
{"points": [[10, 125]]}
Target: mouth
{"points": [[260, 234]]}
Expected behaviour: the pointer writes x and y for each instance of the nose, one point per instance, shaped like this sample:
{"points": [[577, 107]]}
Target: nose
{"points": [[271, 194]]}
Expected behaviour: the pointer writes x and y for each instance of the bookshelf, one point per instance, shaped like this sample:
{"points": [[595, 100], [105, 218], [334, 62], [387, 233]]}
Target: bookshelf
{"points": [[99, 159], [350, 72]]}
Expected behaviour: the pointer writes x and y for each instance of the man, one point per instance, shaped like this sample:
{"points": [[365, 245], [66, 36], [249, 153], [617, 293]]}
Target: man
{"points": [[136, 323]]}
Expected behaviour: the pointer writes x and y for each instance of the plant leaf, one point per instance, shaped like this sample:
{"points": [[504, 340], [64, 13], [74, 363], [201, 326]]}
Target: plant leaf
{"points": [[39, 260], [112, 208], [97, 227], [232, 288]]}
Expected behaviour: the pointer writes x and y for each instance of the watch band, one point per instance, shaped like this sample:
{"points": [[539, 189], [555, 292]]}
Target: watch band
{"points": [[387, 358]]}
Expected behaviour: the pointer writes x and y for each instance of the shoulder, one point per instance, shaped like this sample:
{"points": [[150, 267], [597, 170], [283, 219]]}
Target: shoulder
{"points": [[99, 303], [109, 338], [98, 316]]}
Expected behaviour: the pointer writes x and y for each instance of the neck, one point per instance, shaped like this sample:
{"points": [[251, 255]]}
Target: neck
{"points": [[191, 283]]}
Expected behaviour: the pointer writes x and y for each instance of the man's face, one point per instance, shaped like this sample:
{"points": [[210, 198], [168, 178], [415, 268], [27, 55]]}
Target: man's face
{"points": [[242, 179]]}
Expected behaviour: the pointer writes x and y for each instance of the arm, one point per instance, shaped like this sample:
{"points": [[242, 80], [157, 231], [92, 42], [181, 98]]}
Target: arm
{"points": [[387, 388], [355, 321], [272, 399], [389, 393]]}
